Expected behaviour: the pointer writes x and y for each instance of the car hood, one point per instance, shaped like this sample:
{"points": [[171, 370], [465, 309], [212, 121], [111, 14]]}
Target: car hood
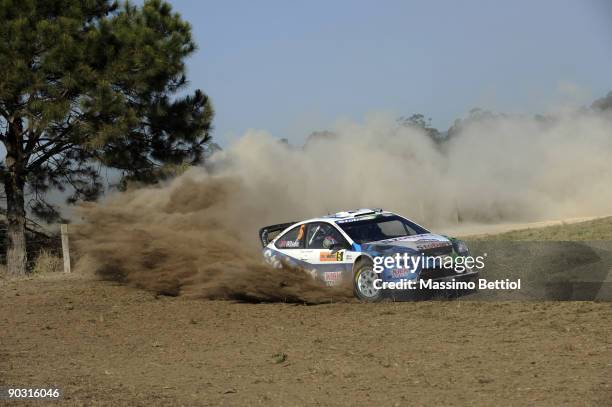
{"points": [[424, 243]]}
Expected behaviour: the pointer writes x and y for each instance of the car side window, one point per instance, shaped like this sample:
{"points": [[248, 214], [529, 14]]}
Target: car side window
{"points": [[322, 235], [293, 239]]}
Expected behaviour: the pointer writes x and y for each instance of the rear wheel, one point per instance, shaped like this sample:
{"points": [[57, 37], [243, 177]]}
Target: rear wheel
{"points": [[363, 283]]}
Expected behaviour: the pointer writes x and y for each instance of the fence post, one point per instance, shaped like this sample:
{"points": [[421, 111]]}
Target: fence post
{"points": [[65, 248]]}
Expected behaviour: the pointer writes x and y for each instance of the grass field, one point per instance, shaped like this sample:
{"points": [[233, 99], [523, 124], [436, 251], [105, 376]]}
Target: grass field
{"points": [[597, 229]]}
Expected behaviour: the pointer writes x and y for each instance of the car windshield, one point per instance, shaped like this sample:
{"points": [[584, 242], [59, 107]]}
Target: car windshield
{"points": [[381, 227]]}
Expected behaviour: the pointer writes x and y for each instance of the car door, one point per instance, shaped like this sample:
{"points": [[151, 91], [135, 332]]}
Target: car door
{"points": [[331, 264]]}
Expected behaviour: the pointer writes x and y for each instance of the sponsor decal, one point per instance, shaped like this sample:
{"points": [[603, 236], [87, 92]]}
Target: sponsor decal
{"points": [[418, 238], [331, 256], [356, 219], [289, 243], [332, 276], [396, 239], [432, 245], [398, 273]]}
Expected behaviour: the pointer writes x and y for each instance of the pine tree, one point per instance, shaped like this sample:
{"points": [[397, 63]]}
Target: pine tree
{"points": [[85, 84]]}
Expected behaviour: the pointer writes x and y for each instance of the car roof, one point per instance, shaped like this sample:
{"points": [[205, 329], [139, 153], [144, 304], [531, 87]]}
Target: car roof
{"points": [[350, 214]]}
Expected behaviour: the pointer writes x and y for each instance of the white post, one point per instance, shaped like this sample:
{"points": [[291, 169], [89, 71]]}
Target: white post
{"points": [[65, 248]]}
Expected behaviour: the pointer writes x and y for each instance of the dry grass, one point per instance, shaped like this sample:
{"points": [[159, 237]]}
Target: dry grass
{"points": [[47, 262], [597, 229]]}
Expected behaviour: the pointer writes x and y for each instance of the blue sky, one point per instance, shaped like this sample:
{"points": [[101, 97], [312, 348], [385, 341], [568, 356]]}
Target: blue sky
{"points": [[295, 67]]}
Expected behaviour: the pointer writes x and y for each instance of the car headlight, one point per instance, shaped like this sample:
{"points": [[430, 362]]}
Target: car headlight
{"points": [[461, 248]]}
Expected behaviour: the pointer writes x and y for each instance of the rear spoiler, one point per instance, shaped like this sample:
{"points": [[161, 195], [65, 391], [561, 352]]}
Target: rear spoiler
{"points": [[266, 230]]}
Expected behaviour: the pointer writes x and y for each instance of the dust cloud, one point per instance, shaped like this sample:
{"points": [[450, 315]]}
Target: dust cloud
{"points": [[494, 170], [185, 239], [197, 234]]}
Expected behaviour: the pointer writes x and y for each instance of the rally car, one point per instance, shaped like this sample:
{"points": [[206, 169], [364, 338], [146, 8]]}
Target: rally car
{"points": [[344, 247]]}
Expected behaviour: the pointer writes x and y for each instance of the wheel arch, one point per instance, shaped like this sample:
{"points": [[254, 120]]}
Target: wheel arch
{"points": [[362, 258]]}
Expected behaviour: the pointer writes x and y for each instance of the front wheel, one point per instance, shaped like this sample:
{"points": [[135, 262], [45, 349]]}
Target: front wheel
{"points": [[363, 283]]}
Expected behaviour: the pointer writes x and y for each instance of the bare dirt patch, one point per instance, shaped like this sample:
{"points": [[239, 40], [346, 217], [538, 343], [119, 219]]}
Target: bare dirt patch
{"points": [[107, 344]]}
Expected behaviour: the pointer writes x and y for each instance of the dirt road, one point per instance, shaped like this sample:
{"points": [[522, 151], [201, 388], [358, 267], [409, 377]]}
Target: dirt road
{"points": [[105, 344]]}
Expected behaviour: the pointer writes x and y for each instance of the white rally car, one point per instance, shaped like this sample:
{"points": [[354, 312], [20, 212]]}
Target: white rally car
{"points": [[344, 247]]}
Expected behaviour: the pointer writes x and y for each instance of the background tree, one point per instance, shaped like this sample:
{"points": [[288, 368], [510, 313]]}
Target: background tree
{"points": [[418, 121], [86, 84], [604, 103], [475, 115], [320, 135]]}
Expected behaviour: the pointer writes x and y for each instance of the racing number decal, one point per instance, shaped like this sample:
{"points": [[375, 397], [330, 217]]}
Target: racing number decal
{"points": [[331, 256]]}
